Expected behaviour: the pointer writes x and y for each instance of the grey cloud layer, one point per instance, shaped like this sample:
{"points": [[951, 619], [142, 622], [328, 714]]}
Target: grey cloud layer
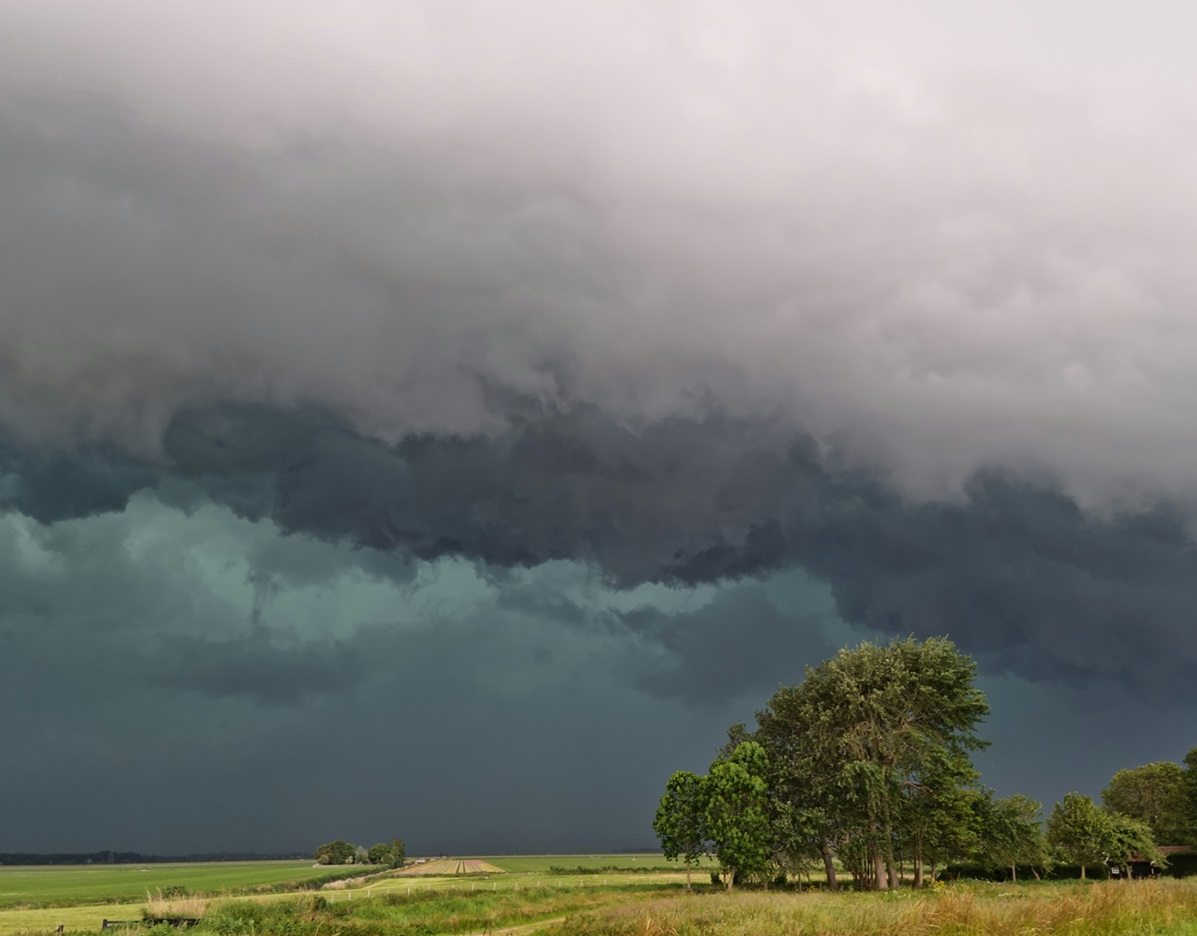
{"points": [[938, 242]]}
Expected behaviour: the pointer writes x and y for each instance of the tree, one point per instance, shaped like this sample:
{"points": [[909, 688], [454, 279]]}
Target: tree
{"points": [[863, 734], [1079, 830], [1154, 794], [736, 811], [680, 822], [1012, 834], [941, 814], [1190, 791], [335, 852], [379, 854], [1130, 839], [398, 852]]}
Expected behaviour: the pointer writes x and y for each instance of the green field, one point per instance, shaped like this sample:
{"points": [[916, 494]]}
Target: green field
{"points": [[65, 885], [38, 899]]}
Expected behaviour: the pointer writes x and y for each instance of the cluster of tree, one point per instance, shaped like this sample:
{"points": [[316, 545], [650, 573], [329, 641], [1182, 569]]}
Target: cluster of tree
{"points": [[867, 760], [867, 764], [1083, 833], [1143, 807], [337, 852], [1162, 795]]}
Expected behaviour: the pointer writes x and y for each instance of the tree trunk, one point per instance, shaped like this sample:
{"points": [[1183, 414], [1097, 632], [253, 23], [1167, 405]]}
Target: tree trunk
{"points": [[888, 850], [1082, 870], [1036, 873], [879, 880], [917, 860], [1014, 873], [829, 867], [688, 887], [731, 878]]}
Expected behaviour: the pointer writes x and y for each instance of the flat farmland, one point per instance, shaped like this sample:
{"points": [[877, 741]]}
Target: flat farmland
{"points": [[542, 864], [39, 910], [65, 885]]}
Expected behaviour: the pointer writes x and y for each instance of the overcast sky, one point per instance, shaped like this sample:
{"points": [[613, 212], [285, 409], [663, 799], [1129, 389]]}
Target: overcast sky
{"points": [[442, 419]]}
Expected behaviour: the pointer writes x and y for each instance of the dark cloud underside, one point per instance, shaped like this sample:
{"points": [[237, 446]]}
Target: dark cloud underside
{"points": [[1015, 571]]}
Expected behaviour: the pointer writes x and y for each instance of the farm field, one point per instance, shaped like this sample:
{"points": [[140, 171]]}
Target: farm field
{"points": [[39, 899], [63, 885], [543, 863], [450, 866]]}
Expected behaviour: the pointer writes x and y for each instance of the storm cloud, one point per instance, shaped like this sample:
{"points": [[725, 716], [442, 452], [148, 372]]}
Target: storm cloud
{"points": [[341, 348]]}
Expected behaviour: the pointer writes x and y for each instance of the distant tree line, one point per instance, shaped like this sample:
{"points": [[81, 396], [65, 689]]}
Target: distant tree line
{"points": [[866, 765], [339, 852]]}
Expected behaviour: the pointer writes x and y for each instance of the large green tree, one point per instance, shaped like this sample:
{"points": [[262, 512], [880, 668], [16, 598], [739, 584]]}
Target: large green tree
{"points": [[1154, 794], [681, 822], [1079, 830], [866, 733], [737, 817]]}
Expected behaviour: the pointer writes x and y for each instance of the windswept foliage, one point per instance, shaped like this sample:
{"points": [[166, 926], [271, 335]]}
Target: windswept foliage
{"points": [[868, 757]]}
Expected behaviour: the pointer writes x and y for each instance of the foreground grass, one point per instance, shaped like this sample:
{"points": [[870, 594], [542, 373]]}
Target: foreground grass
{"points": [[1141, 908]]}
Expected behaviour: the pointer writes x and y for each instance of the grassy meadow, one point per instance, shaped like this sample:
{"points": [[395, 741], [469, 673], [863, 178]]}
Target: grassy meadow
{"points": [[64, 885], [528, 897]]}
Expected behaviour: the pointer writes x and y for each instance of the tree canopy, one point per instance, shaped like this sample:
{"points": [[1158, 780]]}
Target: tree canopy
{"points": [[1154, 794], [1080, 831]]}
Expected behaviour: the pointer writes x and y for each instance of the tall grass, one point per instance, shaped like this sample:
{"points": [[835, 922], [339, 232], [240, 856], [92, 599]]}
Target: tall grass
{"points": [[173, 907], [424, 913], [1106, 909]]}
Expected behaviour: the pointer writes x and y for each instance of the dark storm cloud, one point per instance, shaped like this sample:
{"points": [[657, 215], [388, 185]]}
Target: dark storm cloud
{"points": [[55, 485], [1014, 570], [256, 667], [739, 642]]}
